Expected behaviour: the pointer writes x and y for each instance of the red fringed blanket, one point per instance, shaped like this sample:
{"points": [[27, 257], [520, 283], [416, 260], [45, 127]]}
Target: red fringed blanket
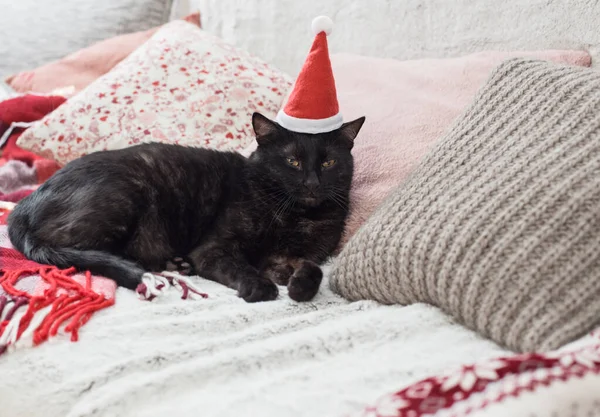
{"points": [[37, 301]]}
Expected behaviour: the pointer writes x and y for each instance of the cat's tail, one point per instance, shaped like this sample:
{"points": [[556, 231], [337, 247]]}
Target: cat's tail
{"points": [[125, 273]]}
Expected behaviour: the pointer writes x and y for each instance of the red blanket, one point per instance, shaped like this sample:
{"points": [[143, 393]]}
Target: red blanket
{"points": [[26, 109], [37, 301]]}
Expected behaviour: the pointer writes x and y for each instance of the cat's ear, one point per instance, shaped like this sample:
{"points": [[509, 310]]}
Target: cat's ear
{"points": [[264, 129], [350, 130]]}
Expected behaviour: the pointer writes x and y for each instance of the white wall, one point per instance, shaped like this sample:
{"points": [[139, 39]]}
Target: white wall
{"points": [[279, 30]]}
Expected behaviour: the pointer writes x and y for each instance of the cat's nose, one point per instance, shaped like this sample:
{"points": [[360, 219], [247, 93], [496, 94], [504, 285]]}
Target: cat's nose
{"points": [[312, 183]]}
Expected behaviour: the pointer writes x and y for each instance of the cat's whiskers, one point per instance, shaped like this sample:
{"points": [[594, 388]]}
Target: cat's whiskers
{"points": [[339, 197], [280, 210], [268, 198], [283, 207]]}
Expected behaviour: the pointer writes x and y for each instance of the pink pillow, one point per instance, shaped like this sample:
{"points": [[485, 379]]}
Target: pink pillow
{"points": [[182, 86], [408, 105], [81, 68]]}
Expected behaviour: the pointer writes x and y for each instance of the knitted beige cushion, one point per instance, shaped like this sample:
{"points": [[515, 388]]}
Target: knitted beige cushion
{"points": [[500, 224]]}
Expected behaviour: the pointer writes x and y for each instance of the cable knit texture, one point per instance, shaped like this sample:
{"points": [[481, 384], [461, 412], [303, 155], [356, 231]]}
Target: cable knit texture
{"points": [[500, 224]]}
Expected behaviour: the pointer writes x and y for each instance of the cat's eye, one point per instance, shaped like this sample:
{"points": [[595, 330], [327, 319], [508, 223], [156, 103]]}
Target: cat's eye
{"points": [[293, 162], [328, 164]]}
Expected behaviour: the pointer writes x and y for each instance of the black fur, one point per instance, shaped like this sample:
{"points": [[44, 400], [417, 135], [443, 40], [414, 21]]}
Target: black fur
{"points": [[243, 222]]}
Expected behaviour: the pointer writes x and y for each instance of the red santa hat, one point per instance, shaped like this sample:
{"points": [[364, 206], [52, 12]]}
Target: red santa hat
{"points": [[312, 106]]}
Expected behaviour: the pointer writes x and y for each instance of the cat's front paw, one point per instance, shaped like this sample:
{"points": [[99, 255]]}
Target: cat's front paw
{"points": [[179, 265], [253, 290], [305, 282]]}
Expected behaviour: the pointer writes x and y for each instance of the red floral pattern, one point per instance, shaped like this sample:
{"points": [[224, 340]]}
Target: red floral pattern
{"points": [[475, 387], [183, 86]]}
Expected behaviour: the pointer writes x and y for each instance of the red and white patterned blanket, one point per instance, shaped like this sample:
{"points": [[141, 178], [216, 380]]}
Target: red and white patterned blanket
{"points": [[560, 383]]}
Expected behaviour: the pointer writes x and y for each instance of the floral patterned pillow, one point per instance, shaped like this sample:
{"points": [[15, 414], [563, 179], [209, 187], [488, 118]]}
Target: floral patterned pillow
{"points": [[183, 86]]}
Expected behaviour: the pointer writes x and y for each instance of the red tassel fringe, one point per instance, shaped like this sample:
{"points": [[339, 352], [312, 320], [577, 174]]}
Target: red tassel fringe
{"points": [[70, 301]]}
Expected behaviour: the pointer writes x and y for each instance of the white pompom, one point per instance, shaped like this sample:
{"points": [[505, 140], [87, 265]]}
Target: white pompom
{"points": [[322, 24]]}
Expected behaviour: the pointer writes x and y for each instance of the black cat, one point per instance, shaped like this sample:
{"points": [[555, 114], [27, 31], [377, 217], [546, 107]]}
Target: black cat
{"points": [[244, 222]]}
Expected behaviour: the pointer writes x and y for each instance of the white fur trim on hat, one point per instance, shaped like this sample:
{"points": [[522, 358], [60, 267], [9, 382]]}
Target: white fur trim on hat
{"points": [[322, 24], [312, 126]]}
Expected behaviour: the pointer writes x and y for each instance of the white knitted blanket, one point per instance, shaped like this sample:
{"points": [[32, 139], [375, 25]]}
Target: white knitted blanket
{"points": [[222, 357]]}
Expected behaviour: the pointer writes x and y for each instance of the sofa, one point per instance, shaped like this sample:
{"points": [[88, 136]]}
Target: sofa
{"points": [[418, 70]]}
